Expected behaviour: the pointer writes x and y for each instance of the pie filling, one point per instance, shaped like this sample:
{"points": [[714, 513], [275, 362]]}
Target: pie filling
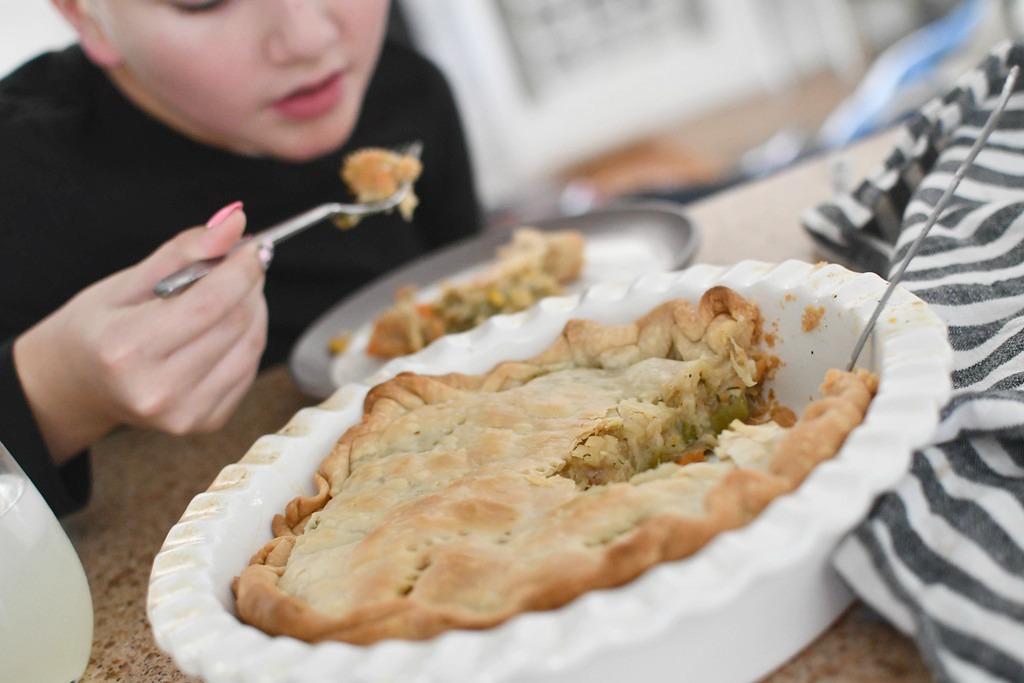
{"points": [[638, 435]]}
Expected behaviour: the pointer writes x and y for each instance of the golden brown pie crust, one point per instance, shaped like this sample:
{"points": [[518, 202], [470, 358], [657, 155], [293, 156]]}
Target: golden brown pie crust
{"points": [[426, 521]]}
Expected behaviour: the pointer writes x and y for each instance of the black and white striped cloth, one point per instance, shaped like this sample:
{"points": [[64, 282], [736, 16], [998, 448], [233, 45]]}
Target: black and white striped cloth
{"points": [[942, 555]]}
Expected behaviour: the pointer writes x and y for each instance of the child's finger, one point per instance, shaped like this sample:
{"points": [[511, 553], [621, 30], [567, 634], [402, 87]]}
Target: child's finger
{"points": [[211, 302], [189, 246]]}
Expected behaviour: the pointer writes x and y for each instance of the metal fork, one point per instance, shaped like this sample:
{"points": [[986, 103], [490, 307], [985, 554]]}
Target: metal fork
{"points": [[275, 234], [936, 212]]}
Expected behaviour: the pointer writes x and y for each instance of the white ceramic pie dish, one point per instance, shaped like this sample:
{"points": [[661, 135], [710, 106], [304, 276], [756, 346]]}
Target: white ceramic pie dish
{"points": [[733, 612]]}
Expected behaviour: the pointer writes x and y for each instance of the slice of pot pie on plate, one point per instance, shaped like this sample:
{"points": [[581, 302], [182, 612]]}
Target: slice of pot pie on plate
{"points": [[533, 264]]}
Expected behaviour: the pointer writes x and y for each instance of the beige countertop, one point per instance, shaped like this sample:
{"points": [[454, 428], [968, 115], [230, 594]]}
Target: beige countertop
{"points": [[144, 480]]}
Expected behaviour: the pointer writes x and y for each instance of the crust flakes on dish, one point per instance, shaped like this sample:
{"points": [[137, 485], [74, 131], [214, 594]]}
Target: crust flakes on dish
{"points": [[461, 500]]}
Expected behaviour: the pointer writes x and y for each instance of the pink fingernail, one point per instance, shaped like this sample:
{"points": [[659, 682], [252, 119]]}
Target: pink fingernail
{"points": [[223, 214]]}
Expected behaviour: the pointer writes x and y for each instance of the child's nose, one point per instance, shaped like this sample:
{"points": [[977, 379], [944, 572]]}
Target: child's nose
{"points": [[299, 30]]}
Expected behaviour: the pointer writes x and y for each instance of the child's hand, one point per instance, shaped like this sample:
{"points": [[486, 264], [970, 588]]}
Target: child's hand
{"points": [[117, 354]]}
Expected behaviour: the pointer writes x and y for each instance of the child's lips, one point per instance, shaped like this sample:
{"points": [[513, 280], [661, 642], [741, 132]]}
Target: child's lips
{"points": [[312, 101]]}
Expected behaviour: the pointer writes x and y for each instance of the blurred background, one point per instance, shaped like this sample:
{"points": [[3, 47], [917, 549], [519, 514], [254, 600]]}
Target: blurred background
{"points": [[570, 104]]}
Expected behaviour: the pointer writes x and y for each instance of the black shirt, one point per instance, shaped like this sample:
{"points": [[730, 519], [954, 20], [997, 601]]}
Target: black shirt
{"points": [[89, 184]]}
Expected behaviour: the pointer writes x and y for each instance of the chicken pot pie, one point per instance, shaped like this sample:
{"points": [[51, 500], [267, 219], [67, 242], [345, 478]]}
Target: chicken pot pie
{"points": [[461, 500], [533, 265]]}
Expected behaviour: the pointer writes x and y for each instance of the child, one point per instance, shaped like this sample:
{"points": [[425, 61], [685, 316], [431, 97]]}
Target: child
{"points": [[166, 111]]}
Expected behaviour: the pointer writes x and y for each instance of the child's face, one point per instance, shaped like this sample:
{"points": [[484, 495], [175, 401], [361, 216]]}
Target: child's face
{"points": [[282, 78]]}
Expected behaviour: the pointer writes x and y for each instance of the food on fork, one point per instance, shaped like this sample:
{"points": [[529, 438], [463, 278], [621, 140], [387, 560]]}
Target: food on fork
{"points": [[460, 501], [376, 173], [533, 265]]}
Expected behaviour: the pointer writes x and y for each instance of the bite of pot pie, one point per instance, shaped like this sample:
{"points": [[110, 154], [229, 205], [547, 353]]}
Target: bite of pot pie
{"points": [[375, 173], [462, 500], [533, 265]]}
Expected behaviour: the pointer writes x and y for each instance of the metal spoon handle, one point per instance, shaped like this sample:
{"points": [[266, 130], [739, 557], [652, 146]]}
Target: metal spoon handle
{"points": [[278, 233], [940, 206], [184, 277]]}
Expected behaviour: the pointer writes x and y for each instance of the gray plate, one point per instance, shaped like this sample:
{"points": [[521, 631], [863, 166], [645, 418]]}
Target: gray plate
{"points": [[622, 242]]}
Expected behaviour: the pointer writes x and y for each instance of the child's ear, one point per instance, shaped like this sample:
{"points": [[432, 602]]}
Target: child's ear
{"points": [[92, 34]]}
